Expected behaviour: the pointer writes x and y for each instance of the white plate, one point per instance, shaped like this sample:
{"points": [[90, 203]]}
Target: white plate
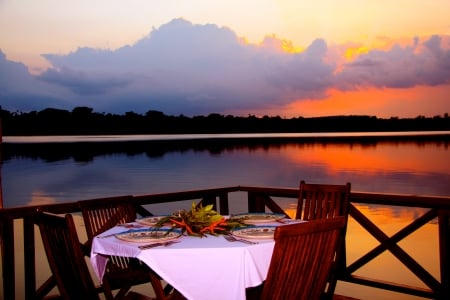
{"points": [[149, 235], [258, 218], [150, 221], [255, 232]]}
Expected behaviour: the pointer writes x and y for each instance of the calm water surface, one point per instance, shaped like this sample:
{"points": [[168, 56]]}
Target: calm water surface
{"points": [[36, 176], [52, 173]]}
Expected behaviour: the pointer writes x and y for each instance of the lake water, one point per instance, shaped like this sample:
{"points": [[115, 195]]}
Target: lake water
{"points": [[53, 170], [37, 172]]}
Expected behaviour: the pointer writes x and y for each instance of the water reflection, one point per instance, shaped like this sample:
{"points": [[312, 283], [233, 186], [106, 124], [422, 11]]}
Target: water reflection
{"points": [[59, 172], [52, 173], [422, 245]]}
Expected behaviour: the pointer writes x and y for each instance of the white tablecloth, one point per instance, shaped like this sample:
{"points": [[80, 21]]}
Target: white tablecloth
{"points": [[200, 268]]}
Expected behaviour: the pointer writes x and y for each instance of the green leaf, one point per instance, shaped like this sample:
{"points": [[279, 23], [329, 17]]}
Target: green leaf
{"points": [[208, 207]]}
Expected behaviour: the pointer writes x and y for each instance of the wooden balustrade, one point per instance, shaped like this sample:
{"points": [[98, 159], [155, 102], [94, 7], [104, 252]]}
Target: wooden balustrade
{"points": [[259, 198]]}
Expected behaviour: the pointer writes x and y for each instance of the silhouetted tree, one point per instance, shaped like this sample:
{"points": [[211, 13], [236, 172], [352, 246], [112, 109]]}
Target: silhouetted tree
{"points": [[83, 120]]}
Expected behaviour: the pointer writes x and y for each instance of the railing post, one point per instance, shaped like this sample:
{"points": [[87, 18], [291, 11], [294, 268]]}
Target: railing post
{"points": [[7, 248], [224, 205], [207, 200], [444, 251], [255, 203], [29, 258]]}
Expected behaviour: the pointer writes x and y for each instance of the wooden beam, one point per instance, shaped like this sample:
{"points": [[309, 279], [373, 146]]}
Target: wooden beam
{"points": [[7, 245], [444, 250]]}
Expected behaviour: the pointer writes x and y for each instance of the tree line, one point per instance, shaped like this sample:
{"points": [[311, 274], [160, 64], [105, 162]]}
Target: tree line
{"points": [[84, 121]]}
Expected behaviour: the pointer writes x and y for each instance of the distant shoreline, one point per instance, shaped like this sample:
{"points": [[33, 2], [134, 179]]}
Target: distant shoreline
{"points": [[82, 121], [222, 136], [86, 148]]}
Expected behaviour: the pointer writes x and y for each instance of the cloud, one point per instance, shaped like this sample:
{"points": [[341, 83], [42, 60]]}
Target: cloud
{"points": [[20, 91], [425, 64], [85, 83], [187, 68], [183, 68]]}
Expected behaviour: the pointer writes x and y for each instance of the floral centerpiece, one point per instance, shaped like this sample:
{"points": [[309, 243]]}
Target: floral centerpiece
{"points": [[200, 221]]}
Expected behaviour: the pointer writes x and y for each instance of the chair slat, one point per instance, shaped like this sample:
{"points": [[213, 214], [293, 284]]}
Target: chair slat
{"points": [[302, 259], [325, 201], [65, 257], [121, 272]]}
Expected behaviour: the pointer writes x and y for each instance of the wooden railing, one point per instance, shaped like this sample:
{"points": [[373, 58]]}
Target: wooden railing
{"points": [[259, 198]]}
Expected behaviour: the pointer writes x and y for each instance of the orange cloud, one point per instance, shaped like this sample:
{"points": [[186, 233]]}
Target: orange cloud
{"points": [[275, 43], [384, 103], [351, 52]]}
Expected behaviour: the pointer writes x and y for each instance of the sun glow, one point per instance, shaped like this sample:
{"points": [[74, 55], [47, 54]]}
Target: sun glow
{"points": [[289, 47], [277, 44], [351, 53], [384, 103]]}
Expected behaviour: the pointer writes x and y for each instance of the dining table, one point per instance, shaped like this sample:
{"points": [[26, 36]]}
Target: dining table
{"points": [[200, 268]]}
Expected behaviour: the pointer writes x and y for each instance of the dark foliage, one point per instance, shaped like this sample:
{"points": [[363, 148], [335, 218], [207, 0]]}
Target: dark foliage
{"points": [[84, 121]]}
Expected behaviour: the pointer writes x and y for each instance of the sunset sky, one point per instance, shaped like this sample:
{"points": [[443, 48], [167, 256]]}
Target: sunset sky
{"points": [[194, 57]]}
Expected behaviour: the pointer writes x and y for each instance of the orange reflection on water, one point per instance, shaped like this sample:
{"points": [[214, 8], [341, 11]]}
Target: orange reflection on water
{"points": [[375, 157], [422, 245], [41, 198]]}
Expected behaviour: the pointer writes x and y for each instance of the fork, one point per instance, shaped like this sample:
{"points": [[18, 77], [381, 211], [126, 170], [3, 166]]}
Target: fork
{"points": [[231, 238], [148, 246]]}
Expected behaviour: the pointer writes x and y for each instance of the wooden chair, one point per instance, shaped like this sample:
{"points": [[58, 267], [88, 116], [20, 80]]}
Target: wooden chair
{"points": [[302, 259], [322, 201], [121, 272], [66, 258], [326, 201]]}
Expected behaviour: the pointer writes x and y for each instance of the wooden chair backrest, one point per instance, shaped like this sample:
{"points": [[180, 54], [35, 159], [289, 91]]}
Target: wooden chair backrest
{"points": [[65, 256], [322, 201], [102, 214], [302, 259], [121, 272]]}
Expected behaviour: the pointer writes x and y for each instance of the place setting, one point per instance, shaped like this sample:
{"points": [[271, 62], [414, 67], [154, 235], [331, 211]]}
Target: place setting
{"points": [[150, 221], [151, 237], [258, 218], [148, 238], [164, 230], [262, 232], [147, 230], [261, 226]]}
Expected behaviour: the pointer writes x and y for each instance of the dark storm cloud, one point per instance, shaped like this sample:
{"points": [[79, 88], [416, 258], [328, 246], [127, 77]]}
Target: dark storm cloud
{"points": [[182, 68]]}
